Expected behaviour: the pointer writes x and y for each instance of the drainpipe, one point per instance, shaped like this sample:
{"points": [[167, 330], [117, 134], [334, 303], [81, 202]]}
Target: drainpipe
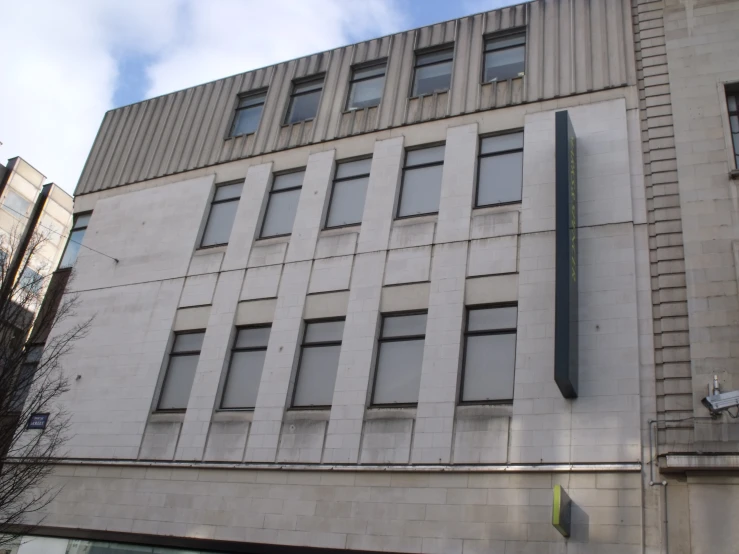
{"points": [[662, 504]]}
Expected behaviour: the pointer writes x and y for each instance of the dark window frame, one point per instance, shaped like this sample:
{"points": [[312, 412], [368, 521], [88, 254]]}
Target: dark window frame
{"points": [[269, 201], [167, 373], [210, 211], [320, 78], [353, 80], [341, 180], [404, 338], [732, 90], [235, 349], [69, 236], [468, 333], [417, 166], [481, 156], [520, 31], [237, 108], [303, 346], [416, 65]]}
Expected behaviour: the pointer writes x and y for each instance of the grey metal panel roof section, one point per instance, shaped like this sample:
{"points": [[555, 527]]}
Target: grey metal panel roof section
{"points": [[573, 46]]}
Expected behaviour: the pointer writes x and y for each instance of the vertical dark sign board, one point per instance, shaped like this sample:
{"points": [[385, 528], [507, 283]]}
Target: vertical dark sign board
{"points": [[565, 303]]}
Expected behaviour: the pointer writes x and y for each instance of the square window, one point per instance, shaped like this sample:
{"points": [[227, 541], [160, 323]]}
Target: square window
{"points": [[420, 189], [490, 354], [183, 361], [248, 114], [433, 72], [304, 101], [282, 204], [319, 362], [348, 193], [365, 88], [505, 57], [245, 369], [222, 214], [500, 170], [399, 359], [16, 204]]}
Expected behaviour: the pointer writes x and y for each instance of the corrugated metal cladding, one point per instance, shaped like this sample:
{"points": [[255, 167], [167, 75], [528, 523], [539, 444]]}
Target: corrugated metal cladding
{"points": [[573, 46]]}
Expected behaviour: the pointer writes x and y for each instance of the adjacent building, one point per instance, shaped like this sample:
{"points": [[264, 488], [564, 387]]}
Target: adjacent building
{"points": [[325, 316]]}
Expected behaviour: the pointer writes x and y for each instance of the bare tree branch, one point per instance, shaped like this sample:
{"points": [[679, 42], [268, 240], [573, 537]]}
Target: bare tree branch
{"points": [[32, 346]]}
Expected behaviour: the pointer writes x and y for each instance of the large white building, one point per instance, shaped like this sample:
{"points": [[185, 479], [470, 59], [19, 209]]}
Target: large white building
{"points": [[332, 319]]}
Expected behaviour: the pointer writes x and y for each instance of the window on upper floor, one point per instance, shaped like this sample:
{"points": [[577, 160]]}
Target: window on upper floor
{"points": [[365, 89], [732, 97], [245, 369], [282, 204], [25, 376], [31, 280], [16, 204], [319, 362], [433, 72], [500, 170], [222, 214], [304, 100], [489, 354], [348, 193], [183, 361], [505, 57], [248, 114], [420, 189], [75, 240], [399, 359]]}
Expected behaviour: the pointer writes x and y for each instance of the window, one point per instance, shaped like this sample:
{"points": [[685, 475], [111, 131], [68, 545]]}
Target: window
{"points": [[490, 354], [31, 280], [500, 170], [433, 72], [16, 204], [75, 240], [304, 101], [222, 214], [245, 369], [505, 57], [365, 89], [282, 204], [399, 359], [248, 113], [183, 361], [348, 192], [732, 96], [25, 377], [420, 190], [319, 361]]}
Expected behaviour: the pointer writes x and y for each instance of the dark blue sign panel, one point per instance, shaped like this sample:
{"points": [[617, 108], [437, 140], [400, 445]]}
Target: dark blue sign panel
{"points": [[565, 303], [37, 421]]}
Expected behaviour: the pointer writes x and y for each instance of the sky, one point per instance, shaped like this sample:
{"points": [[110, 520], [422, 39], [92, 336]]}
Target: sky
{"points": [[65, 63]]}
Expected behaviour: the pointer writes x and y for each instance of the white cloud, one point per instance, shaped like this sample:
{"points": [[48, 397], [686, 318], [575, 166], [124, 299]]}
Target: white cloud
{"points": [[59, 59]]}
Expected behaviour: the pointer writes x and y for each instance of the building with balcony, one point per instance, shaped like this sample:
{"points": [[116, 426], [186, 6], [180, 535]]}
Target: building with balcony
{"points": [[331, 322]]}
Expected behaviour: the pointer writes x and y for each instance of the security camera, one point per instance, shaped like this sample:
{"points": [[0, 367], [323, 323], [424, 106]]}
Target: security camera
{"points": [[721, 401]]}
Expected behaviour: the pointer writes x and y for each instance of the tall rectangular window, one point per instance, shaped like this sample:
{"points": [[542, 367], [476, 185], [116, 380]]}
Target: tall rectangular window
{"points": [[183, 361], [500, 170], [420, 189], [222, 214], [505, 57], [25, 377], [304, 101], [399, 359], [75, 240], [319, 361], [282, 204], [365, 89], [245, 369], [248, 113], [732, 97], [490, 354], [433, 72], [16, 204], [347, 193]]}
